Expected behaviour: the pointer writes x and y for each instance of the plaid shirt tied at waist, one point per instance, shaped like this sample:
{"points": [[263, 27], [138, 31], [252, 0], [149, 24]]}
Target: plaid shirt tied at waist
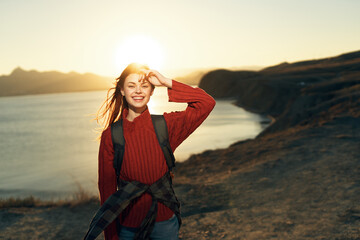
{"points": [[161, 191]]}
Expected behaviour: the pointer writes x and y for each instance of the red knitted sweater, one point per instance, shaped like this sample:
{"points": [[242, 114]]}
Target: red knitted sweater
{"points": [[144, 160]]}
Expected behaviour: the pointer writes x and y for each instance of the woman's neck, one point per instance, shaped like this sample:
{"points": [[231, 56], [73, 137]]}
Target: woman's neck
{"points": [[132, 114]]}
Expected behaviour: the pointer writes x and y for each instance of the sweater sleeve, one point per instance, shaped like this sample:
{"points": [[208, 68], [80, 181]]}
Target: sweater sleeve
{"points": [[182, 123], [107, 177]]}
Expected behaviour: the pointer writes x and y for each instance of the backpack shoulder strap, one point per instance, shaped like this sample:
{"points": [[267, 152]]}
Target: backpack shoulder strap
{"points": [[162, 135], [118, 140]]}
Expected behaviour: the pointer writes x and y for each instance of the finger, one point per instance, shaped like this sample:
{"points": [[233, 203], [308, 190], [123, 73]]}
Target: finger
{"points": [[151, 74], [143, 78], [145, 71]]}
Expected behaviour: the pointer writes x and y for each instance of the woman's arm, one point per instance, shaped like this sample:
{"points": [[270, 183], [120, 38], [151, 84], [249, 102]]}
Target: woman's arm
{"points": [[182, 124], [107, 177]]}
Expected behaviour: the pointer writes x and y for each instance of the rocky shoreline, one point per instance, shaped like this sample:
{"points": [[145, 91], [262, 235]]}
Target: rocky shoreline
{"points": [[299, 179]]}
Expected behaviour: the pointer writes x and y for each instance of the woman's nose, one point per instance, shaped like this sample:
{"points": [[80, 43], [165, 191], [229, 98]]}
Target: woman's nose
{"points": [[138, 89]]}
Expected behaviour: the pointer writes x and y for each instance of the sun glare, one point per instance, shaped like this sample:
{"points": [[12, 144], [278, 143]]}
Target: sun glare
{"points": [[141, 49]]}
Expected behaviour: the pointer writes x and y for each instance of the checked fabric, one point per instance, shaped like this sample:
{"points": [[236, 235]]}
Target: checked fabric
{"points": [[161, 191]]}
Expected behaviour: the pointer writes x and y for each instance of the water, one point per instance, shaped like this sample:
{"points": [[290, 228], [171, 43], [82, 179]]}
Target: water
{"points": [[48, 143]]}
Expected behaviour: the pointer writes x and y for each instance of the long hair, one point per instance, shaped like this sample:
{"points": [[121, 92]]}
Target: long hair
{"points": [[114, 104]]}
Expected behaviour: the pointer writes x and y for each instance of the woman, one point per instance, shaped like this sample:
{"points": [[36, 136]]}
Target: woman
{"points": [[143, 159]]}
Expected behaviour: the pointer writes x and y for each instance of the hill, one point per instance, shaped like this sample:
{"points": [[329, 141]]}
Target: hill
{"points": [[21, 82], [192, 78], [300, 178], [270, 90]]}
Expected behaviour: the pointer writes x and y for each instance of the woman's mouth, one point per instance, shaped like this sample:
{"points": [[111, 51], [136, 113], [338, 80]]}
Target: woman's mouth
{"points": [[138, 98]]}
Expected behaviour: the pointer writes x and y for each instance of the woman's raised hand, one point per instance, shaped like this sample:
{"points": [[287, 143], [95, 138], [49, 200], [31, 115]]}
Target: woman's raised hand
{"points": [[157, 79]]}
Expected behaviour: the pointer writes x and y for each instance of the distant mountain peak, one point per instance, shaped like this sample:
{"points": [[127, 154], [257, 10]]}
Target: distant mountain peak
{"points": [[17, 70]]}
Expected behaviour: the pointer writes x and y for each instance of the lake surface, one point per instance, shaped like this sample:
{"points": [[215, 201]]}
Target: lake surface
{"points": [[48, 143]]}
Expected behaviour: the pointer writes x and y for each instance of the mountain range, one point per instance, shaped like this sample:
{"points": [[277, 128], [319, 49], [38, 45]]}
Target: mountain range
{"points": [[21, 82]]}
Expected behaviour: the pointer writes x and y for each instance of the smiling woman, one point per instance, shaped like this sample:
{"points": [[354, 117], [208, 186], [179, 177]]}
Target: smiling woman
{"points": [[141, 49], [129, 210]]}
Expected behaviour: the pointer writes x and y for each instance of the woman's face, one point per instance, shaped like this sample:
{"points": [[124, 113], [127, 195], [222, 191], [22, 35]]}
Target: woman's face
{"points": [[137, 93]]}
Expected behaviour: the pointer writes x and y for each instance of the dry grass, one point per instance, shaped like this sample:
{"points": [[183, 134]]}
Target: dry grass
{"points": [[30, 201], [78, 197]]}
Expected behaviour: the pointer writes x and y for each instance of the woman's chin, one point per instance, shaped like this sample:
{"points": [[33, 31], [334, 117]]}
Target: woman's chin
{"points": [[138, 107]]}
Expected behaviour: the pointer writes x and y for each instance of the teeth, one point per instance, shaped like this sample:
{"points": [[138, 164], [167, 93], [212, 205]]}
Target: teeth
{"points": [[138, 98]]}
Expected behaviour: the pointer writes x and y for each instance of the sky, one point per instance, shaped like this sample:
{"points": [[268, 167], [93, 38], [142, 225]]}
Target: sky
{"points": [[102, 37]]}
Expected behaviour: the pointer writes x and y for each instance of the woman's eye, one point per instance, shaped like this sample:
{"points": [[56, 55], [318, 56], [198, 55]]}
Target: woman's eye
{"points": [[131, 86], [145, 86]]}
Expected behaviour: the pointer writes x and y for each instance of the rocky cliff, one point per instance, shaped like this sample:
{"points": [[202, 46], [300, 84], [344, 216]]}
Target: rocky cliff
{"points": [[298, 93], [270, 90]]}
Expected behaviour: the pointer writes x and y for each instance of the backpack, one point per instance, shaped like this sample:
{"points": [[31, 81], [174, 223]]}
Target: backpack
{"points": [[162, 135]]}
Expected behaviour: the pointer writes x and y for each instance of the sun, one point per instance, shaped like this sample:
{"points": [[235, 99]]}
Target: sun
{"points": [[141, 49]]}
